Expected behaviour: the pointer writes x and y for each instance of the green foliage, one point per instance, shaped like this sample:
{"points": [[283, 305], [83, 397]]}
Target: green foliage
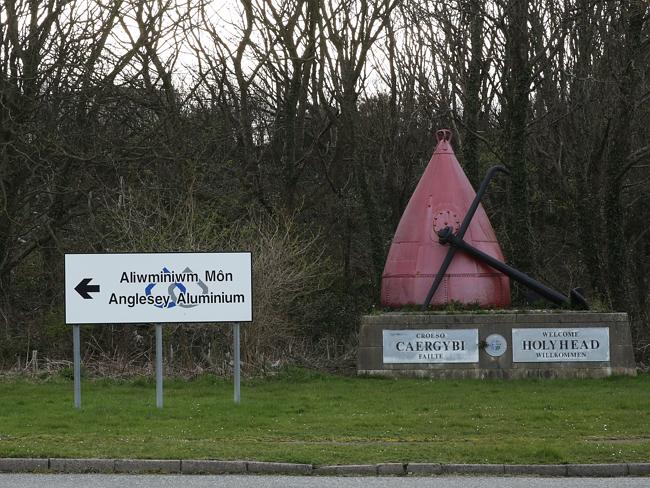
{"points": [[597, 305], [56, 330], [67, 373], [451, 307], [295, 375], [331, 313]]}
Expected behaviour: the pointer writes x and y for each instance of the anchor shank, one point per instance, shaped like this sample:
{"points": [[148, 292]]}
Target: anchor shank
{"points": [[447, 237], [461, 231]]}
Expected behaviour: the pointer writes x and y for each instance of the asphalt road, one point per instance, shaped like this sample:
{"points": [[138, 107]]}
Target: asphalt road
{"points": [[249, 481]]}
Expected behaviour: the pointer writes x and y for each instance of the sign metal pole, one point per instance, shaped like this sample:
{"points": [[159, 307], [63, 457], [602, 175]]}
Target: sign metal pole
{"points": [[76, 346], [236, 365], [159, 367]]}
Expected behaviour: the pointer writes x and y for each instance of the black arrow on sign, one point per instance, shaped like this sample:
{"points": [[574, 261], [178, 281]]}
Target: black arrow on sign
{"points": [[83, 288]]}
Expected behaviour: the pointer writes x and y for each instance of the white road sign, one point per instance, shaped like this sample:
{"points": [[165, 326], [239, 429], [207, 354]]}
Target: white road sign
{"points": [[158, 288], [560, 345], [430, 346]]}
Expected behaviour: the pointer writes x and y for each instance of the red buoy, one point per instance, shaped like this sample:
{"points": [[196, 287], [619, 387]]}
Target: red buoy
{"points": [[441, 199]]}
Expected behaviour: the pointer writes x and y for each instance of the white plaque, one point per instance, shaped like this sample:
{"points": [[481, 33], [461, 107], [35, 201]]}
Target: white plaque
{"points": [[158, 288], [560, 345], [496, 345], [431, 346]]}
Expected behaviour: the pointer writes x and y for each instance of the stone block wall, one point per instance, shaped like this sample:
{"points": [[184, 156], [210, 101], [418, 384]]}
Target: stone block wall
{"points": [[371, 354]]}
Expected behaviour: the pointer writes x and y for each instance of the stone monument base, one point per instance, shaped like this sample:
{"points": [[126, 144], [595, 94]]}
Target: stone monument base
{"points": [[496, 344]]}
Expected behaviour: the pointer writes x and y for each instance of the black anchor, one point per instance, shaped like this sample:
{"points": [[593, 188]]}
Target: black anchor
{"points": [[455, 241]]}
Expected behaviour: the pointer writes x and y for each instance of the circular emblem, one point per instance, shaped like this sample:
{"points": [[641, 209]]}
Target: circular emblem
{"points": [[445, 218], [496, 345]]}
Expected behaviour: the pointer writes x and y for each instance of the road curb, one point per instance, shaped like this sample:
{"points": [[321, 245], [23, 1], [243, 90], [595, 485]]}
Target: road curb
{"points": [[391, 469], [206, 466], [598, 470], [348, 469], [23, 465], [473, 469], [209, 466], [424, 469], [639, 469], [64, 465], [554, 470], [278, 468], [147, 466]]}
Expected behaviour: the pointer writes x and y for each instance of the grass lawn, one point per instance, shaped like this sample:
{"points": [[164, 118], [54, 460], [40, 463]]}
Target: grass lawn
{"points": [[299, 416]]}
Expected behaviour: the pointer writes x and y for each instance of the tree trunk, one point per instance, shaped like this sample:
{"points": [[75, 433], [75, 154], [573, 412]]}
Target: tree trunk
{"points": [[516, 86], [472, 107]]}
